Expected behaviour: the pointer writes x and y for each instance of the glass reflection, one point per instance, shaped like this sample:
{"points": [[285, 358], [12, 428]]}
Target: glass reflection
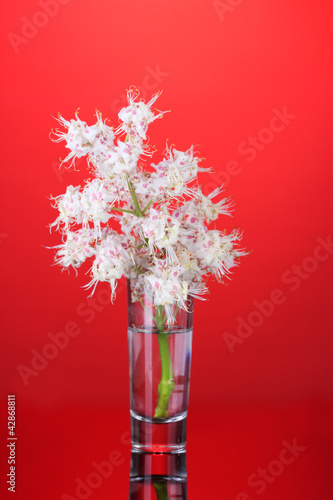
{"points": [[158, 476]]}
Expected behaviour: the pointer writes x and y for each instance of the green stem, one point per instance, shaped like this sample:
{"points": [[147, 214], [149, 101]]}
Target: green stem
{"points": [[147, 206], [161, 489], [167, 383], [147, 310], [134, 198], [122, 210]]}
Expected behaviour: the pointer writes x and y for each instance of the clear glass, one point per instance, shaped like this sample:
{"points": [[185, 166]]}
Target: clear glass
{"points": [[159, 488], [160, 364], [152, 465]]}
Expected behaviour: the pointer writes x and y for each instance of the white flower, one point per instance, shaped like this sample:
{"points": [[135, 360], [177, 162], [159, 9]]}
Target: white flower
{"points": [[76, 249], [154, 227], [216, 252], [95, 201], [162, 216], [201, 209], [110, 263], [189, 263], [161, 232], [185, 162], [166, 292], [176, 171], [83, 140], [69, 206], [212, 210], [138, 115], [100, 137], [74, 137]]}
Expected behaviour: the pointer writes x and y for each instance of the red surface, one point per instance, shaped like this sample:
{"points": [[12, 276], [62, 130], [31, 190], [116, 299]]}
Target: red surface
{"points": [[227, 70]]}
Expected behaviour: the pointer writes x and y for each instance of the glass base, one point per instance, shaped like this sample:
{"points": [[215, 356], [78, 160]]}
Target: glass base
{"points": [[158, 435]]}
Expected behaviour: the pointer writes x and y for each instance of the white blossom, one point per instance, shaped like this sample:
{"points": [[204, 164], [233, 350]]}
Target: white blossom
{"points": [[163, 240], [111, 261], [84, 140], [137, 115], [95, 202], [76, 249], [69, 206]]}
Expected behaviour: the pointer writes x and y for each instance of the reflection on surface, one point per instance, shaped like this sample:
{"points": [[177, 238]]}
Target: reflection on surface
{"points": [[159, 488], [158, 476]]}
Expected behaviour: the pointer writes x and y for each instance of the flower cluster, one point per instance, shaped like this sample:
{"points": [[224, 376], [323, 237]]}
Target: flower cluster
{"points": [[165, 243]]}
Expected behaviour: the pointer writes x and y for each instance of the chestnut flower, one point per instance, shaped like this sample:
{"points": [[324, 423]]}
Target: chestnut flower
{"points": [[163, 238], [138, 115], [81, 139]]}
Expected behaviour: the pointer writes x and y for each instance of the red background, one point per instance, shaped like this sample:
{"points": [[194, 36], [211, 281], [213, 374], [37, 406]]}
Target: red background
{"points": [[223, 72]]}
